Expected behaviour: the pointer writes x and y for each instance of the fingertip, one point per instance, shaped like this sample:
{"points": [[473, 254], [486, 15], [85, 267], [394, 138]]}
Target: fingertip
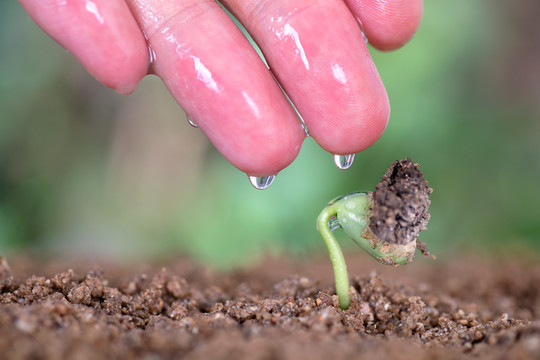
{"points": [[271, 162], [276, 154], [358, 130], [117, 55], [257, 152], [121, 70], [102, 35], [388, 24]]}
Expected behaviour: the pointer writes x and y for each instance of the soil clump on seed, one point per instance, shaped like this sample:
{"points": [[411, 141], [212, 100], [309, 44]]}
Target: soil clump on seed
{"points": [[279, 309], [400, 204]]}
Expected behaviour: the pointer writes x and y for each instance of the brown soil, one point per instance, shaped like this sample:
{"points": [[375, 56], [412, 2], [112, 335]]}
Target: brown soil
{"points": [[280, 309], [400, 204]]}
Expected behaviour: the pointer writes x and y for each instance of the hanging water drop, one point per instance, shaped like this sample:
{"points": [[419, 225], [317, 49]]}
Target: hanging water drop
{"points": [[261, 182], [191, 122], [343, 162]]}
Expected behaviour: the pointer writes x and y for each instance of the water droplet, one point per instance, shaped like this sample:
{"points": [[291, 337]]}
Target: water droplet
{"points": [[191, 122], [333, 223], [350, 206], [261, 182], [362, 29], [151, 55], [303, 124], [343, 162], [365, 37]]}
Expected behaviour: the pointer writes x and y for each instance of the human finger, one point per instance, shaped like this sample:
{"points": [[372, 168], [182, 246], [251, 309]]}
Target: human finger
{"points": [[101, 34], [215, 75], [317, 52], [388, 24]]}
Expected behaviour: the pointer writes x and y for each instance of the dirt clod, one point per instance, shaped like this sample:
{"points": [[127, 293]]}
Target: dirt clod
{"points": [[400, 204]]}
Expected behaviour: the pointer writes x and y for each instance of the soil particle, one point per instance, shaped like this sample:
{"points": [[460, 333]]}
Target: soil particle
{"points": [[463, 310], [400, 204]]}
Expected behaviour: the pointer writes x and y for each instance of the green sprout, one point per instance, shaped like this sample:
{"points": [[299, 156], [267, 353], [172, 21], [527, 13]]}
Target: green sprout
{"points": [[385, 223]]}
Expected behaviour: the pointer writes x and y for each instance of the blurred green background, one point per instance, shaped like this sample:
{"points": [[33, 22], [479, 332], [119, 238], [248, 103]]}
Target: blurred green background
{"points": [[84, 170]]}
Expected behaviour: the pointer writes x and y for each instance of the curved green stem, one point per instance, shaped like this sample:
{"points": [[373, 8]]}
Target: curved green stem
{"points": [[336, 255], [353, 213]]}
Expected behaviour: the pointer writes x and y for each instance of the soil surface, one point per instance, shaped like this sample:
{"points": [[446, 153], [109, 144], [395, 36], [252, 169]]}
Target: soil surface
{"points": [[279, 309]]}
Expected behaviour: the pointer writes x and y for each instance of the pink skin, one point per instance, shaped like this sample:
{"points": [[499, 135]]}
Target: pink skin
{"points": [[101, 34], [233, 99], [326, 69], [314, 47], [388, 24]]}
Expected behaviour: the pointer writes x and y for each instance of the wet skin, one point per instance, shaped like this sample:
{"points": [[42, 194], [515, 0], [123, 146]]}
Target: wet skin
{"points": [[315, 48]]}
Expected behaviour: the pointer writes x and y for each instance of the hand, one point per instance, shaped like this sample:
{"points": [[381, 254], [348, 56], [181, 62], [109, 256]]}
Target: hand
{"points": [[315, 49]]}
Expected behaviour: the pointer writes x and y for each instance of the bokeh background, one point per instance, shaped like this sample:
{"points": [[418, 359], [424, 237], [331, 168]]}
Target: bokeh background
{"points": [[86, 171]]}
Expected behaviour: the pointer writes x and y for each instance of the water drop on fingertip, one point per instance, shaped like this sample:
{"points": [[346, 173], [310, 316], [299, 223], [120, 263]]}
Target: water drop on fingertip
{"points": [[191, 122], [261, 182], [365, 37], [151, 56], [343, 162], [305, 129]]}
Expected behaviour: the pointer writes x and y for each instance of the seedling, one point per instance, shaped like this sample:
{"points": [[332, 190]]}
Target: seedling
{"points": [[385, 223]]}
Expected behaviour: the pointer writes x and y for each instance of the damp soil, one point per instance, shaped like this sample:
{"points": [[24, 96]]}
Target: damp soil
{"points": [[278, 309]]}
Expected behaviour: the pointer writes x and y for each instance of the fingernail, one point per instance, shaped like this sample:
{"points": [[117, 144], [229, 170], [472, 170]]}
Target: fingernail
{"points": [[261, 182], [343, 162]]}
